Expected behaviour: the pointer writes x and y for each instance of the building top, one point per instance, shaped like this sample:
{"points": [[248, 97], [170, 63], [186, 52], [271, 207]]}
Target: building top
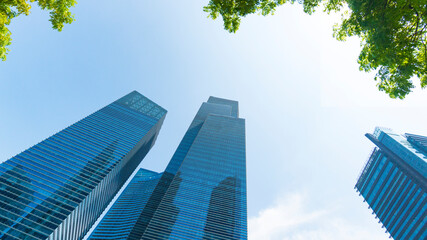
{"points": [[140, 103], [213, 108], [233, 104], [147, 174], [410, 148]]}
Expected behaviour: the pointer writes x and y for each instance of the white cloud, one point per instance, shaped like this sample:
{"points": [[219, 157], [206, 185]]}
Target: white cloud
{"points": [[289, 219]]}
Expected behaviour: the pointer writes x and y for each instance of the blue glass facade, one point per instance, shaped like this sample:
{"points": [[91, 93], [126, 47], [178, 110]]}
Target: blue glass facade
{"points": [[202, 193], [122, 216], [394, 183], [59, 187]]}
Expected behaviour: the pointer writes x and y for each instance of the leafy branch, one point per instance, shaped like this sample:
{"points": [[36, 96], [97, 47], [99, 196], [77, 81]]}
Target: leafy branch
{"points": [[393, 34], [10, 9]]}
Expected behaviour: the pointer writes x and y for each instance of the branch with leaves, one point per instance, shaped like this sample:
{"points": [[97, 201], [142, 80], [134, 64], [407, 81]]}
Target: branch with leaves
{"points": [[393, 34], [10, 9]]}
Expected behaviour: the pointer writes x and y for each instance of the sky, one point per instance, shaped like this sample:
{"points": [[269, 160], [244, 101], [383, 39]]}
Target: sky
{"points": [[306, 104]]}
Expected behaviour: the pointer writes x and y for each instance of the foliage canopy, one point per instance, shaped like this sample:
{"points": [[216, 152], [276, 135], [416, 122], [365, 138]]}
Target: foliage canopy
{"points": [[9, 9], [393, 34]]}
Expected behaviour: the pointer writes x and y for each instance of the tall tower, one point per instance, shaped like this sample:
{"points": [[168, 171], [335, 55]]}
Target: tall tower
{"points": [[394, 183], [206, 173], [121, 217], [202, 192], [60, 186]]}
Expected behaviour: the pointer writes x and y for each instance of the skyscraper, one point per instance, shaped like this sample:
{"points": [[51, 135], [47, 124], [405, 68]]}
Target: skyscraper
{"points": [[121, 217], [394, 182], [58, 188], [202, 193]]}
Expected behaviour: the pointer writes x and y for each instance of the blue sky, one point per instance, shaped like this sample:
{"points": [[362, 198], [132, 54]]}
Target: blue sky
{"points": [[306, 105]]}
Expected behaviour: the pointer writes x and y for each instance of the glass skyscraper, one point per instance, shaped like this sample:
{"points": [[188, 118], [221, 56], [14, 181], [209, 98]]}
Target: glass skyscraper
{"points": [[201, 194], [59, 187], [394, 182], [121, 217]]}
